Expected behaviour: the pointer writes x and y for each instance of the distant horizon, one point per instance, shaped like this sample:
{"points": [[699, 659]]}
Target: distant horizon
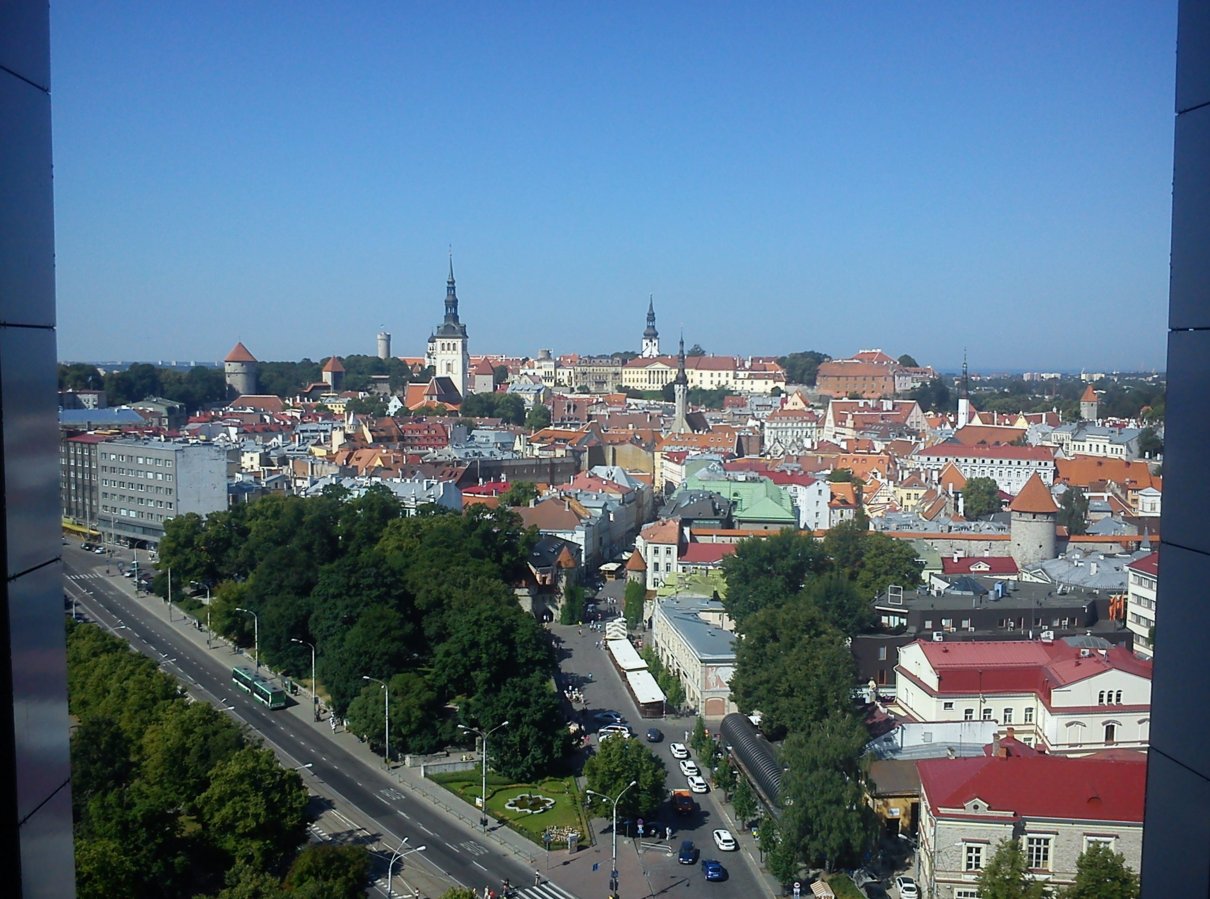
{"points": [[941, 371]]}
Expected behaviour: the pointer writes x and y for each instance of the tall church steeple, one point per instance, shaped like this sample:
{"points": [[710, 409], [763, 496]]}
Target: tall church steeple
{"points": [[651, 337], [447, 349], [964, 396], [680, 392]]}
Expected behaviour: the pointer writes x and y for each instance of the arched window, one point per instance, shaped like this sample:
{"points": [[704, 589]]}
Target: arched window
{"points": [[1101, 698], [1111, 732], [1118, 697]]}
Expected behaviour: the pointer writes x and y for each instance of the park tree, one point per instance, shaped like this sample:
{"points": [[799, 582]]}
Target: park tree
{"points": [[695, 350], [766, 572], [793, 666], [338, 872], [980, 497], [79, 376], [538, 417], [1102, 873], [933, 396], [536, 736], [1006, 875], [616, 763], [908, 360], [1151, 444], [254, 809], [1073, 511], [827, 817], [743, 800], [840, 602], [179, 751], [633, 600]]}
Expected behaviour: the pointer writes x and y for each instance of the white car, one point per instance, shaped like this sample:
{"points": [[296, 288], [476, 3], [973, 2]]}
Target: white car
{"points": [[689, 769], [907, 887], [614, 730], [678, 750], [697, 785], [724, 841]]}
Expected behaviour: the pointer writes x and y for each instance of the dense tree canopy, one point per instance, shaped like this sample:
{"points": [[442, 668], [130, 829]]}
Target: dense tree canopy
{"points": [[1006, 875], [1073, 511], [509, 407], [802, 367], [767, 572], [980, 497], [825, 814], [616, 763], [424, 603], [793, 666], [168, 796]]}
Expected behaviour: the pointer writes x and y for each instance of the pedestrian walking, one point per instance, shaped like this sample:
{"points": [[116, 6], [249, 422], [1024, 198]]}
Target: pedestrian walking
{"points": [[537, 878]]}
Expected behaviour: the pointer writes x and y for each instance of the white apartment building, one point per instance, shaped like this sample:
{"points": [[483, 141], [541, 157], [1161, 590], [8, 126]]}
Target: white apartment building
{"points": [[1059, 695], [1142, 582]]}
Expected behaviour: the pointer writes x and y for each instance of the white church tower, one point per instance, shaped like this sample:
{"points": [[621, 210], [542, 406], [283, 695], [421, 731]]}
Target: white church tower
{"points": [[651, 337], [447, 351]]}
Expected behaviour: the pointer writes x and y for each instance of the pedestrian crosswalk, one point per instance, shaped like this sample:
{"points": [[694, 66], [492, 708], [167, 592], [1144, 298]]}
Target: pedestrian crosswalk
{"points": [[545, 890], [82, 577]]}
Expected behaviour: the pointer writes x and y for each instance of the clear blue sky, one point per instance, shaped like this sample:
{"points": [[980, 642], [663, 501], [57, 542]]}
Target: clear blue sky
{"points": [[919, 177]]}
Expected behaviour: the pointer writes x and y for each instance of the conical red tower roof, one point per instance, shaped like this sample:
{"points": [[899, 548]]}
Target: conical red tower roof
{"points": [[333, 364], [239, 353], [1034, 497]]}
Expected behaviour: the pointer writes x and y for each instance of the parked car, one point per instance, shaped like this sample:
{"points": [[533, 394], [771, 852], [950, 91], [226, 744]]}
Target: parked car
{"points": [[654, 735], [688, 853], [610, 717], [689, 769], [713, 869], [678, 750], [724, 841], [906, 887], [697, 785]]}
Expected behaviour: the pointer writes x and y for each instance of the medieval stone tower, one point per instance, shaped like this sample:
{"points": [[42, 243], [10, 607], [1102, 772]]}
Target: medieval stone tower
{"points": [[1032, 525], [239, 369]]}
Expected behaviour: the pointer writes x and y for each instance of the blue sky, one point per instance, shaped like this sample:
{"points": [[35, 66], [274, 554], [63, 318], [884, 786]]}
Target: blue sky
{"points": [[919, 177]]}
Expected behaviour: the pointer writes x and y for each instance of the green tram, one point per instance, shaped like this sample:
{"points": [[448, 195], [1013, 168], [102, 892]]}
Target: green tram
{"points": [[260, 688]]}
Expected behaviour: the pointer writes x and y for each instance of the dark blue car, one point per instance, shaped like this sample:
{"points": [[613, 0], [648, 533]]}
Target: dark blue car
{"points": [[713, 869], [688, 853]]}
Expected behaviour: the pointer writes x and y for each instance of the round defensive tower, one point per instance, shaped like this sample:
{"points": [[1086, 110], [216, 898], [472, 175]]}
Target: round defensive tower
{"points": [[239, 369], [1032, 524]]}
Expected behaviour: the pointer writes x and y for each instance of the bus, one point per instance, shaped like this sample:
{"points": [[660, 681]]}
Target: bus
{"points": [[262, 689]]}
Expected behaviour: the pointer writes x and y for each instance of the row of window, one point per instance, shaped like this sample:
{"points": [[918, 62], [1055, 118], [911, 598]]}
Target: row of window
{"points": [[135, 513], [1008, 624], [142, 501], [1038, 853], [136, 473], [141, 488], [157, 461]]}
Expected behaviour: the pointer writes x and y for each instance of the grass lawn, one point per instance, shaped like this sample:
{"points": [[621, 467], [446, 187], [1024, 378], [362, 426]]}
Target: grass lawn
{"points": [[843, 887], [566, 814]]}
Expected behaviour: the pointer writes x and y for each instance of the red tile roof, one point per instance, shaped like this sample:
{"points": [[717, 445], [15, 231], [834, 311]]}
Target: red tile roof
{"points": [[1021, 666], [635, 562], [948, 450], [1044, 786], [333, 365], [990, 565], [1147, 565], [1034, 497], [239, 353], [1089, 395], [707, 553]]}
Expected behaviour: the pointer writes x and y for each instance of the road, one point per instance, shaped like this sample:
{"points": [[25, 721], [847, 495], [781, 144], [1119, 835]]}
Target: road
{"points": [[360, 801], [652, 863]]}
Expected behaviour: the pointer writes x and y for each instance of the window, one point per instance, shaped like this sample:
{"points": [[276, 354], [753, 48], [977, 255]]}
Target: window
{"points": [[987, 714], [974, 858], [1111, 732], [1029, 716], [948, 706], [1106, 841], [968, 715], [1118, 697], [882, 653], [1101, 698], [1007, 716], [1037, 852]]}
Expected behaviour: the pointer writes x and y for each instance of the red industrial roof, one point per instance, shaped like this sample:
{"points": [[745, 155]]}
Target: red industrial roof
{"points": [[1043, 786], [990, 565]]}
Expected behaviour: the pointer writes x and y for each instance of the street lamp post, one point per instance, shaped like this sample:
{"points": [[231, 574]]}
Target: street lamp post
{"points": [[398, 857], [483, 735], [613, 868], [314, 695], [386, 749], [255, 635], [208, 631]]}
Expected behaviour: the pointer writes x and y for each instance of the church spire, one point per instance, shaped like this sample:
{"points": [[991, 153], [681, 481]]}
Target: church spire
{"points": [[451, 295], [680, 393], [681, 377], [651, 337]]}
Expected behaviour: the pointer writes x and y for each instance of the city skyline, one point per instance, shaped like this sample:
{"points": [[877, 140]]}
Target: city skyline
{"points": [[790, 179]]}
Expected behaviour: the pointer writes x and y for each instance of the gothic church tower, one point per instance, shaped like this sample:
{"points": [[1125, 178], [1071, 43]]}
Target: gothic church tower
{"points": [[447, 351]]}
